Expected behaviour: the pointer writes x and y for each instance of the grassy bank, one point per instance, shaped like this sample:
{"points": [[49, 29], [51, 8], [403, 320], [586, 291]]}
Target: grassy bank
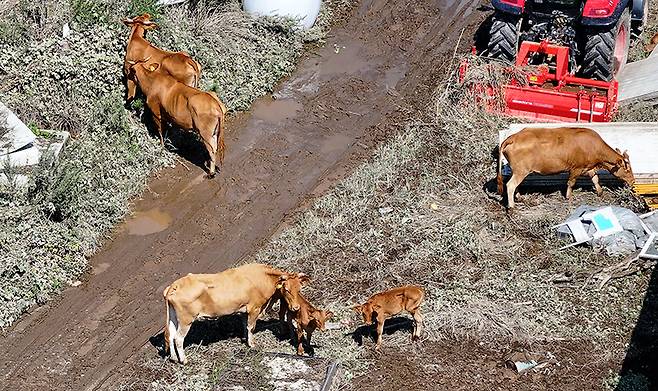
{"points": [[48, 229]]}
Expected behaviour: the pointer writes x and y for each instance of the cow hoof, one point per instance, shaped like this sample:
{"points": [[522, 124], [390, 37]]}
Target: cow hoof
{"points": [[210, 176]]}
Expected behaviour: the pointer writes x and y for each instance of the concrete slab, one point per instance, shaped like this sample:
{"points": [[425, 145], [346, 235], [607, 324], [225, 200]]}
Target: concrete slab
{"points": [[638, 81], [640, 139]]}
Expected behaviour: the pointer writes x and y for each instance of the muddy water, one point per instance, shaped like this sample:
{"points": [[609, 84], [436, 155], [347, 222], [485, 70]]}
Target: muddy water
{"points": [[362, 84], [148, 222]]}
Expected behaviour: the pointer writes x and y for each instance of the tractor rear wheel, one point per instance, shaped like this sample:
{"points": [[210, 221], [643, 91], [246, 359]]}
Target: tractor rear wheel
{"points": [[503, 37], [606, 50]]}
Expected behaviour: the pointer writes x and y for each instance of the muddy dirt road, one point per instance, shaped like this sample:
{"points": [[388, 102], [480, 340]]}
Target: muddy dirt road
{"points": [[379, 65]]}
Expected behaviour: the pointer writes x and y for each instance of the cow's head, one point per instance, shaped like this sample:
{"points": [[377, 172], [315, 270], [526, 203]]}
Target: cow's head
{"points": [[622, 168], [321, 317], [366, 309], [143, 21], [290, 286]]}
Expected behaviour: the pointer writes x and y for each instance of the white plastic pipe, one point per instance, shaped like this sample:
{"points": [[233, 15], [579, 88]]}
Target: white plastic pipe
{"points": [[305, 10]]}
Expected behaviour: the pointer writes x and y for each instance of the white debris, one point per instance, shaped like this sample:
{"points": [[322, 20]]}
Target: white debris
{"points": [[283, 369]]}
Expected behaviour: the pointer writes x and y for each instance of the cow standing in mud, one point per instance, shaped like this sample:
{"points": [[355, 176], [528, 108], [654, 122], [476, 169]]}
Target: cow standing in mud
{"points": [[246, 289], [179, 65], [546, 151], [187, 107]]}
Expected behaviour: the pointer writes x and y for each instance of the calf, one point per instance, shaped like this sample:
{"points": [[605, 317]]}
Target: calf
{"points": [[552, 151], [246, 289], [384, 305], [179, 65], [185, 106], [300, 312]]}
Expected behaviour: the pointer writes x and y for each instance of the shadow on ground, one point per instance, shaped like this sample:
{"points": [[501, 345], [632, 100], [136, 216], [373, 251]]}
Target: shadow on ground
{"points": [[391, 326], [640, 368]]}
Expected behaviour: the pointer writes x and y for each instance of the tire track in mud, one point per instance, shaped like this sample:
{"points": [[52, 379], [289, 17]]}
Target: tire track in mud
{"points": [[383, 62]]}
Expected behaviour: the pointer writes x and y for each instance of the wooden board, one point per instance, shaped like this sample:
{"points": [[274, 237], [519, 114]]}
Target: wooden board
{"points": [[638, 81]]}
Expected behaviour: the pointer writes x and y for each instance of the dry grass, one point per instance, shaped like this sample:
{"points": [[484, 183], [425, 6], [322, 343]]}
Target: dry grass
{"points": [[418, 212]]}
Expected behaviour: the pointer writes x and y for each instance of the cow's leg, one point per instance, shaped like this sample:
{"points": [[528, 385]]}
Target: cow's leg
{"points": [[512, 184], [210, 141], [380, 331], [183, 329], [157, 118], [573, 176], [300, 340], [595, 179], [132, 88], [418, 323], [171, 333], [284, 324], [252, 317]]}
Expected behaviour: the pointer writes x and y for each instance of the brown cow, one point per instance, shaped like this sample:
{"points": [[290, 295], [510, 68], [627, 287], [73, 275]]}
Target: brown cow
{"points": [[187, 107], [177, 64], [300, 312], [383, 305], [247, 289], [552, 151]]}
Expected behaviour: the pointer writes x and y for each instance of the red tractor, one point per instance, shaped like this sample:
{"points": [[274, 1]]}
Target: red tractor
{"points": [[569, 50], [597, 32]]}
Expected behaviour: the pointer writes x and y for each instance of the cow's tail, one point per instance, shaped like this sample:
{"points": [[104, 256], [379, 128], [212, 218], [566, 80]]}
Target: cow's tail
{"points": [[219, 130], [166, 328], [499, 177]]}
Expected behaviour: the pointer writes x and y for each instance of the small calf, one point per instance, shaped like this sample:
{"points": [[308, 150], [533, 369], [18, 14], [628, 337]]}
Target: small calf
{"points": [[384, 305], [300, 312]]}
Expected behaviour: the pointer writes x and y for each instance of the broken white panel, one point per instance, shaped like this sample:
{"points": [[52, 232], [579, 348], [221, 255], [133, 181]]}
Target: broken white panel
{"points": [[605, 221], [18, 135], [639, 139], [638, 81]]}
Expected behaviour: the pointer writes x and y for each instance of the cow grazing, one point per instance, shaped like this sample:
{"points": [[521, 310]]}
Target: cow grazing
{"points": [[304, 316], [187, 107], [384, 305], [247, 289], [545, 151], [179, 65]]}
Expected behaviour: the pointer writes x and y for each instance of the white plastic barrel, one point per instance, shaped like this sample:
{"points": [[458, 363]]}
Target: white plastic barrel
{"points": [[305, 10]]}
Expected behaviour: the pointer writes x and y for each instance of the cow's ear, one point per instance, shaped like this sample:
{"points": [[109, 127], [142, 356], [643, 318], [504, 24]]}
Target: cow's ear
{"points": [[625, 154], [618, 150], [304, 278]]}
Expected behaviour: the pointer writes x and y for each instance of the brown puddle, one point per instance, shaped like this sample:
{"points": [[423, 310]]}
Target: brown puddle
{"points": [[148, 222], [275, 110]]}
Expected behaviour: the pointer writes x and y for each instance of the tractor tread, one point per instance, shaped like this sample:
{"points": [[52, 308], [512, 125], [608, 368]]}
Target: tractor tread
{"points": [[503, 38]]}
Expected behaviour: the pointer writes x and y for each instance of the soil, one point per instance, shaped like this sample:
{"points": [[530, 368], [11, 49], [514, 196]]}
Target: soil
{"points": [[459, 365], [378, 68]]}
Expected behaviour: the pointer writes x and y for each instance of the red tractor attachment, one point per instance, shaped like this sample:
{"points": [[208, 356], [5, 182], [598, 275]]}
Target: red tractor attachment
{"points": [[551, 93]]}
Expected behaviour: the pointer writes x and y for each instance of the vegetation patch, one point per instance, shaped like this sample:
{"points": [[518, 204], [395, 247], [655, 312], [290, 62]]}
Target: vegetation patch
{"points": [[74, 82]]}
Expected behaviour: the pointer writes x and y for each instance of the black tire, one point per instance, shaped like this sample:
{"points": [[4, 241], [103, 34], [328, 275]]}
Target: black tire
{"points": [[503, 37], [600, 48]]}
